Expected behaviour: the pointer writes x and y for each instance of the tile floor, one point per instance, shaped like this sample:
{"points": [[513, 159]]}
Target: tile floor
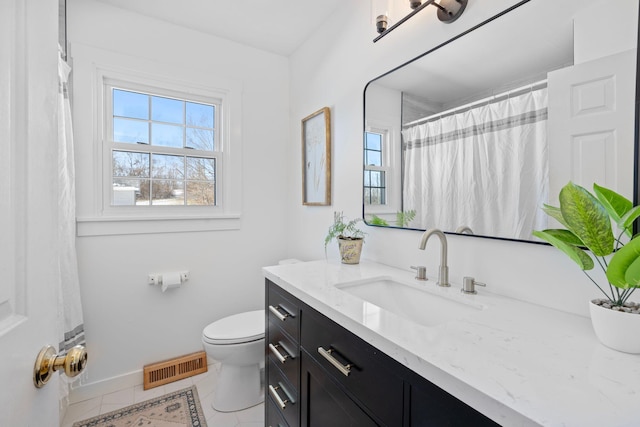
{"points": [[252, 417]]}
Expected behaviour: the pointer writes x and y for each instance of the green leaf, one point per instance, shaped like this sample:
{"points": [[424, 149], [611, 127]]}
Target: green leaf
{"points": [[555, 213], [615, 204], [376, 220], [632, 276], [587, 219], [403, 218], [579, 256], [566, 236], [625, 261], [628, 218]]}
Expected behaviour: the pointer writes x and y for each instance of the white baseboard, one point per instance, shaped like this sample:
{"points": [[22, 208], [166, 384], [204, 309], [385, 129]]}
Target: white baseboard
{"points": [[113, 384], [106, 386]]}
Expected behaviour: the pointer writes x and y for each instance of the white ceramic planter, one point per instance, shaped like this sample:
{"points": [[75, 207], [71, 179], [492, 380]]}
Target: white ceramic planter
{"points": [[617, 330], [350, 250]]}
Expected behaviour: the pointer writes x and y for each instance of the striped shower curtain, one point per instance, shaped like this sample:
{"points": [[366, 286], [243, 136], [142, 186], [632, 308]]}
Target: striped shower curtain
{"points": [[485, 167], [71, 328]]}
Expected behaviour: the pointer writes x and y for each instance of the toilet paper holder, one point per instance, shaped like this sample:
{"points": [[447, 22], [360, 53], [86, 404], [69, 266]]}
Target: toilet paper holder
{"points": [[168, 280]]}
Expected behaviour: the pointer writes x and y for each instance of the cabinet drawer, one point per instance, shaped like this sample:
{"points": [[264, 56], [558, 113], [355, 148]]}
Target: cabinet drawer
{"points": [[362, 369], [283, 395], [274, 417], [325, 403], [283, 311], [285, 353]]}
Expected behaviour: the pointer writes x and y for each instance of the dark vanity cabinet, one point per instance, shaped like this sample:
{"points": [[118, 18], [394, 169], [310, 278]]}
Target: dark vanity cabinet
{"points": [[282, 364], [319, 374]]}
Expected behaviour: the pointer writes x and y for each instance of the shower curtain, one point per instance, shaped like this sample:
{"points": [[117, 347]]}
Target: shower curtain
{"points": [[484, 167], [69, 304]]}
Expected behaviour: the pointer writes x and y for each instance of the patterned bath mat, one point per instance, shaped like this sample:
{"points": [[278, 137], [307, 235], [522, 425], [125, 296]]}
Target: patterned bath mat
{"points": [[178, 409]]}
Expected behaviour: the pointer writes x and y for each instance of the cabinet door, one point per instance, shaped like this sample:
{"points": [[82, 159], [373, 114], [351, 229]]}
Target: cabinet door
{"points": [[324, 403], [433, 407]]}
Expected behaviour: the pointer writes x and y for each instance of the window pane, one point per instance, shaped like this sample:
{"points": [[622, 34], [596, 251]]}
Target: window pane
{"points": [[201, 169], [168, 167], [201, 193], [373, 141], [163, 190], [200, 115], [140, 175], [376, 180], [375, 196], [129, 164], [367, 178], [130, 104], [177, 192], [133, 131], [127, 192], [374, 158], [200, 139], [167, 110], [367, 196], [166, 135]]}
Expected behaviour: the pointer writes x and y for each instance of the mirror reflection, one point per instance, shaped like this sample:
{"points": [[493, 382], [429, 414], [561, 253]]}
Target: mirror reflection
{"points": [[476, 135]]}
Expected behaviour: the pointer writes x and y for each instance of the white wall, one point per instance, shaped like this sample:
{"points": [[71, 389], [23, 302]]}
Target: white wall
{"points": [[129, 323], [331, 69]]}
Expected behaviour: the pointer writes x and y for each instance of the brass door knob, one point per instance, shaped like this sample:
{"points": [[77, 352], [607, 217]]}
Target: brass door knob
{"points": [[48, 362]]}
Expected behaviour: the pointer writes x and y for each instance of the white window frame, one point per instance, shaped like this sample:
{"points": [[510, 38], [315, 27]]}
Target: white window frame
{"points": [[391, 166], [94, 69], [109, 146], [384, 158]]}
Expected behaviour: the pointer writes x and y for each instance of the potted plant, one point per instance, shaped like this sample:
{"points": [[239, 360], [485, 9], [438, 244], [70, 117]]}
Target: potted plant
{"points": [[349, 236], [587, 220]]}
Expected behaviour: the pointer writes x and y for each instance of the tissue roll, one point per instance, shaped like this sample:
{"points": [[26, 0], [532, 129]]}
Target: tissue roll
{"points": [[170, 281]]}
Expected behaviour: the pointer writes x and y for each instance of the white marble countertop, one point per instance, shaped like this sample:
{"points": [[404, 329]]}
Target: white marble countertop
{"points": [[518, 363]]}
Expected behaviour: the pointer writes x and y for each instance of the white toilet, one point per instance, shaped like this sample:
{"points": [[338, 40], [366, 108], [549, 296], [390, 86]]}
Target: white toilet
{"points": [[237, 342]]}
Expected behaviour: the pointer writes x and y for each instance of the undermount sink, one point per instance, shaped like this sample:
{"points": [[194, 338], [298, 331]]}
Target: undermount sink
{"points": [[408, 301]]}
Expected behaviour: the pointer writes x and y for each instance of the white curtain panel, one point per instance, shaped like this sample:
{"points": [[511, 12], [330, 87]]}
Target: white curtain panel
{"points": [[485, 167], [70, 316]]}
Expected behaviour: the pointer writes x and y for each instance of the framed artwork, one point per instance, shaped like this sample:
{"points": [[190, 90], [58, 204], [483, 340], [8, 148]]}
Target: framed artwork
{"points": [[316, 158]]}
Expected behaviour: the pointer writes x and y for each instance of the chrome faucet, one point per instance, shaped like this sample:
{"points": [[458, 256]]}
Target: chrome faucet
{"points": [[464, 228], [443, 273]]}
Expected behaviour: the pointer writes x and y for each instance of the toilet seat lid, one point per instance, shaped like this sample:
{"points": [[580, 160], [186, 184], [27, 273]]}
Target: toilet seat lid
{"points": [[237, 328]]}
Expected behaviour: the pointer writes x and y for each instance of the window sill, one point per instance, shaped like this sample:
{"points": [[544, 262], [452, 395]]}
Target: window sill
{"points": [[111, 226]]}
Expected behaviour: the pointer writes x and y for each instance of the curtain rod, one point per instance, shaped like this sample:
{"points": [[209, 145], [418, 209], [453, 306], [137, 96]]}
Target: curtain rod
{"points": [[488, 100]]}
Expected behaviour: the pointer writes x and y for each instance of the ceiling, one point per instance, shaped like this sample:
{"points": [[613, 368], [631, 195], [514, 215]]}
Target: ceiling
{"points": [[278, 26]]}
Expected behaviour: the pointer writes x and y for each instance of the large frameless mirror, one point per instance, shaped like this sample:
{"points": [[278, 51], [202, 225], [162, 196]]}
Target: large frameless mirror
{"points": [[476, 135]]}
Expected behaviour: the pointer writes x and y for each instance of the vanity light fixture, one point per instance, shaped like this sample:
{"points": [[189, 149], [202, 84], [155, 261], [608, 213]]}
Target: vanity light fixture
{"points": [[448, 11], [381, 23]]}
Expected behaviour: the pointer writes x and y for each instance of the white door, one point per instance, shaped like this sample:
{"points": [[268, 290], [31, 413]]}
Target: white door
{"points": [[28, 230], [591, 125]]}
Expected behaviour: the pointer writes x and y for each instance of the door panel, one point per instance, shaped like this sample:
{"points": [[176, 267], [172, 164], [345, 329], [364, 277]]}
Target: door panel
{"points": [[28, 171], [591, 125]]}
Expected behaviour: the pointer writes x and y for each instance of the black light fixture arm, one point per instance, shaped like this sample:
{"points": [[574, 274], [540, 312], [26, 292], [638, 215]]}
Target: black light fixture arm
{"points": [[448, 11]]}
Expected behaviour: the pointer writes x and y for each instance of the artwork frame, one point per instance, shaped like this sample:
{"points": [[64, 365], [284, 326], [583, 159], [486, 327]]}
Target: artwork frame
{"points": [[316, 158]]}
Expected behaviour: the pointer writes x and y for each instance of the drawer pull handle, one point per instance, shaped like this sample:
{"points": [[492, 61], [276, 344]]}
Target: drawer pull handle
{"points": [[281, 357], [279, 315], [274, 393], [327, 354]]}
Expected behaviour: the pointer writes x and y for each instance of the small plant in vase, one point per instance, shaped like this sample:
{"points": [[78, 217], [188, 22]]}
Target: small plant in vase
{"points": [[350, 238], [587, 220]]}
